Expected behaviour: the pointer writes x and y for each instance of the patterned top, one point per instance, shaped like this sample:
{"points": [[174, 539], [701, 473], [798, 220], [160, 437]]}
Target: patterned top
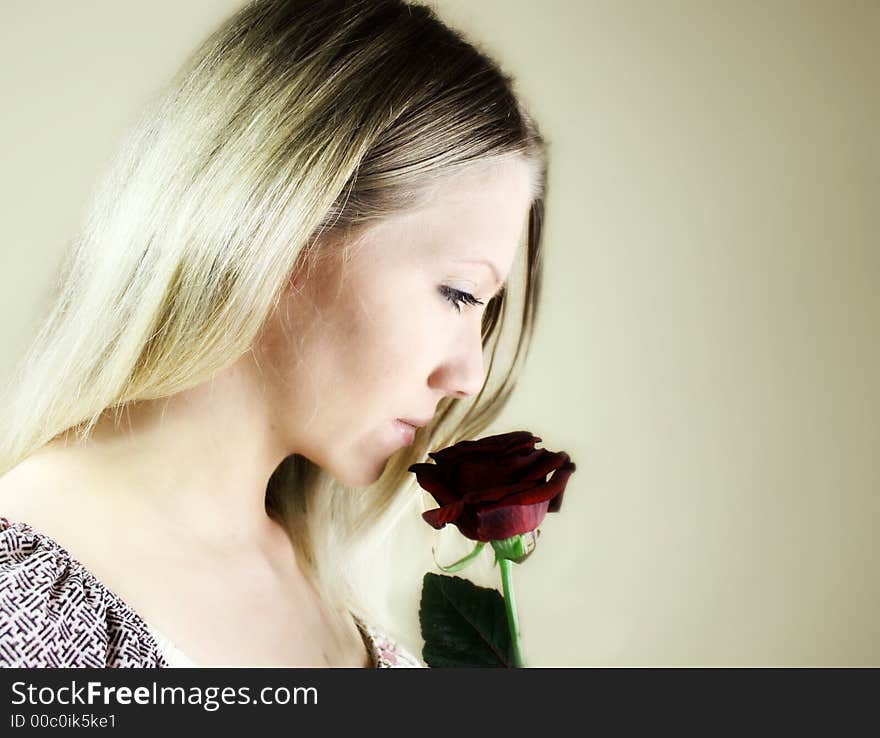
{"points": [[54, 612]]}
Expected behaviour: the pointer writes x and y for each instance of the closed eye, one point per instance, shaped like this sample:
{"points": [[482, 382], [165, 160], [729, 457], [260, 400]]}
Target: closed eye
{"points": [[456, 297]]}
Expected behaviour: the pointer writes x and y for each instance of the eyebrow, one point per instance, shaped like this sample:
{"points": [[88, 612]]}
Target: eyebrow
{"points": [[487, 263]]}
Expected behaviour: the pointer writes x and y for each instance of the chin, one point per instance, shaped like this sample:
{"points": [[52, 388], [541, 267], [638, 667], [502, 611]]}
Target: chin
{"points": [[362, 476], [356, 467], [364, 479]]}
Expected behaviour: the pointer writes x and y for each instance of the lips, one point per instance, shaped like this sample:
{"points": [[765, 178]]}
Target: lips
{"points": [[415, 422], [407, 431]]}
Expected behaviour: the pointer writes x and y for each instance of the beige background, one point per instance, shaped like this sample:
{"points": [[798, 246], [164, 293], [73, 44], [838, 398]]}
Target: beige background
{"points": [[708, 352]]}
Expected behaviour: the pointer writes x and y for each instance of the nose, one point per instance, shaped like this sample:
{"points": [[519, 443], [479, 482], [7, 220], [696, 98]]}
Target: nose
{"points": [[461, 373]]}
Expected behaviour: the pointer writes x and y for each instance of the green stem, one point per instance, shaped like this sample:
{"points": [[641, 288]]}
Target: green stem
{"points": [[510, 605]]}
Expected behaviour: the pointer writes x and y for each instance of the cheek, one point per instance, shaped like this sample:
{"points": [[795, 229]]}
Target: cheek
{"points": [[392, 341], [383, 342], [374, 347]]}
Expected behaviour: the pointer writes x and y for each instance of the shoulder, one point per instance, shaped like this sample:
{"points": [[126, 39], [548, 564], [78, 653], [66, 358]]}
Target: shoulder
{"points": [[55, 613], [31, 491]]}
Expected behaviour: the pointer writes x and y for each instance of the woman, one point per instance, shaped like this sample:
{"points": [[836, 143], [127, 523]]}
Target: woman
{"points": [[305, 240]]}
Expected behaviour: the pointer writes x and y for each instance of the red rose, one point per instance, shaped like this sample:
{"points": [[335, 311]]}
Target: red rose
{"points": [[496, 487]]}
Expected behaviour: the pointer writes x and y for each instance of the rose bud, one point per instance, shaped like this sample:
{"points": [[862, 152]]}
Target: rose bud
{"points": [[496, 487]]}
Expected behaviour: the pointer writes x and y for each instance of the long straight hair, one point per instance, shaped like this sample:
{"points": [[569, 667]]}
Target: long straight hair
{"points": [[293, 121]]}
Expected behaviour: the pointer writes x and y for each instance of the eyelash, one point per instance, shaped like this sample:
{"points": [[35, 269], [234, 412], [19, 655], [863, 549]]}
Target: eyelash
{"points": [[456, 296]]}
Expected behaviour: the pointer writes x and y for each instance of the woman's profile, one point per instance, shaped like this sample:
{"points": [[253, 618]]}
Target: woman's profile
{"points": [[307, 239]]}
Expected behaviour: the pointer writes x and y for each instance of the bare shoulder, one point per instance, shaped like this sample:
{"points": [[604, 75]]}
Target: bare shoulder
{"points": [[21, 487], [59, 494], [45, 490]]}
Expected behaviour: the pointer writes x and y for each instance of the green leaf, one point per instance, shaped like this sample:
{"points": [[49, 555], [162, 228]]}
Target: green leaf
{"points": [[463, 625]]}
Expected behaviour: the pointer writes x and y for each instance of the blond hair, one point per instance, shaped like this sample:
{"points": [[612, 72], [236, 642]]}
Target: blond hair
{"points": [[291, 124]]}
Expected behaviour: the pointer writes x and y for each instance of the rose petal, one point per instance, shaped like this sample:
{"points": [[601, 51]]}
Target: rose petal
{"points": [[491, 468], [431, 478], [440, 516], [503, 443], [550, 489], [517, 475], [509, 520], [501, 492]]}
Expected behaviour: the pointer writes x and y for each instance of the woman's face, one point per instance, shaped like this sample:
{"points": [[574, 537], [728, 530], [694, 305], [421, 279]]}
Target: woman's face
{"points": [[375, 338]]}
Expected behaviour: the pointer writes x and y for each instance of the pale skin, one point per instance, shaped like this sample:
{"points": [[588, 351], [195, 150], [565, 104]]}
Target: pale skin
{"points": [[168, 509]]}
